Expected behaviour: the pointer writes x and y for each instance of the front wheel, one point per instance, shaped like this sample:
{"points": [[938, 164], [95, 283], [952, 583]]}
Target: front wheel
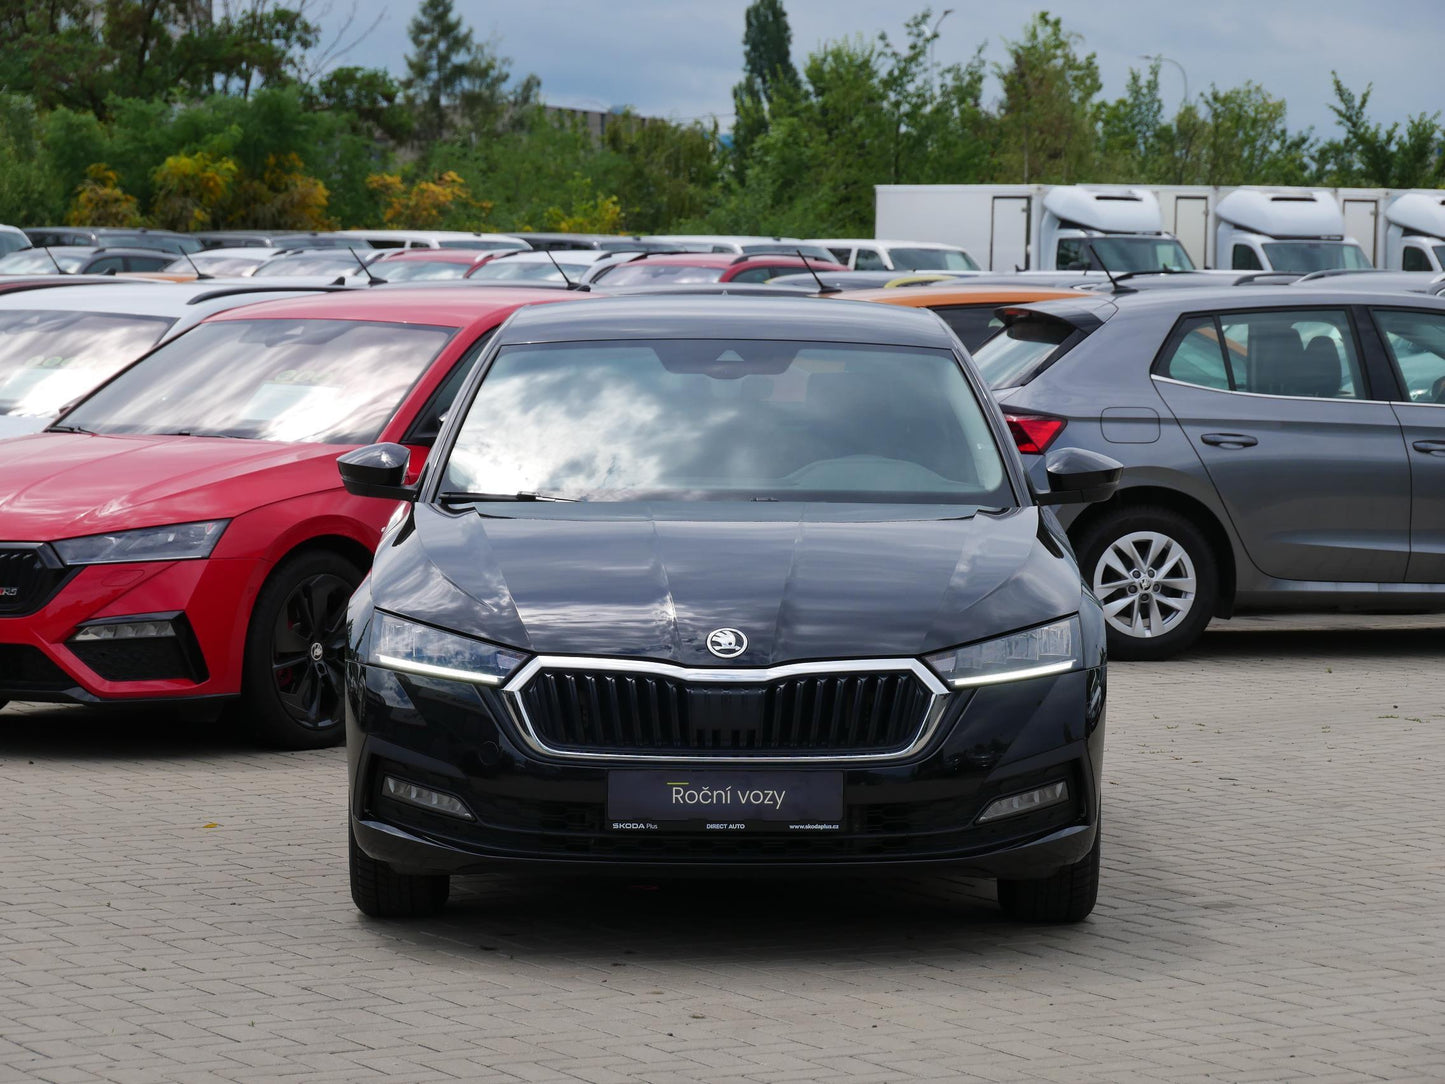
{"points": [[1156, 576], [293, 689], [381, 892], [1067, 895]]}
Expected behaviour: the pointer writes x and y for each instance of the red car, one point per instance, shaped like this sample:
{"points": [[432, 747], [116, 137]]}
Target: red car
{"points": [[182, 533], [678, 268]]}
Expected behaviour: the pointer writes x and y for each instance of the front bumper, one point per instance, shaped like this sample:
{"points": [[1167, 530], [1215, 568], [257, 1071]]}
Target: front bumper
{"points": [[535, 811], [208, 599]]}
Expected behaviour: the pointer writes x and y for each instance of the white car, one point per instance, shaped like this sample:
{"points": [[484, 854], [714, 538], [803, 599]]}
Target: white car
{"points": [[863, 254], [555, 265], [223, 261], [431, 239], [740, 243], [12, 239]]}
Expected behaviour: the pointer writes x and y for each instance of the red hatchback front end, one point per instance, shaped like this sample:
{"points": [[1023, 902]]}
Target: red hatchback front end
{"points": [[183, 532]]}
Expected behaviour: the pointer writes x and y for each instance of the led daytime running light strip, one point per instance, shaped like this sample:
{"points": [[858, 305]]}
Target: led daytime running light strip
{"points": [[427, 669], [1014, 675]]}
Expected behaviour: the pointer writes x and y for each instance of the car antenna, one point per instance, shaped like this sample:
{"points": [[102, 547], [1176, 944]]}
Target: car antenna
{"points": [[201, 276], [821, 288], [371, 280], [58, 269], [570, 284], [1094, 252]]}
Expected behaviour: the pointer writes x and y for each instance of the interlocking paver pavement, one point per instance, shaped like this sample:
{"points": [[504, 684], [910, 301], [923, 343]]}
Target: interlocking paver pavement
{"points": [[173, 906]]}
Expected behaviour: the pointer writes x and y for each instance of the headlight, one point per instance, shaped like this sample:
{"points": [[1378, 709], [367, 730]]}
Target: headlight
{"points": [[1048, 649], [177, 542], [420, 649]]}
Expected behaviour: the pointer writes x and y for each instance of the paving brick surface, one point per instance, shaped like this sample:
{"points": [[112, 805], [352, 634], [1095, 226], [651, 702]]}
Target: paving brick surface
{"points": [[173, 907]]}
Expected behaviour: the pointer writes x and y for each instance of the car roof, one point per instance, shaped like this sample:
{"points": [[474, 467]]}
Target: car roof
{"points": [[710, 317], [726, 259], [142, 298], [442, 255], [403, 304], [950, 294]]}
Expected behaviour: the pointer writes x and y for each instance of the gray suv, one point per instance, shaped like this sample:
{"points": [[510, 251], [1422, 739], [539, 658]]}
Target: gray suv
{"points": [[1282, 450]]}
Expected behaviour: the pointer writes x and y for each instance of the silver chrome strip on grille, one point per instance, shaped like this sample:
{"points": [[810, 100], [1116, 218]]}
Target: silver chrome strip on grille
{"points": [[720, 675]]}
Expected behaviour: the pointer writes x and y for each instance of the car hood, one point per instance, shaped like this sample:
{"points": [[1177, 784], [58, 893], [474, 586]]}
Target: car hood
{"points": [[801, 581], [61, 485]]}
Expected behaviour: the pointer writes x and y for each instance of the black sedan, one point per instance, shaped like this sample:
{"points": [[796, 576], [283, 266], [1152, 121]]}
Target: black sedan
{"points": [[699, 584]]}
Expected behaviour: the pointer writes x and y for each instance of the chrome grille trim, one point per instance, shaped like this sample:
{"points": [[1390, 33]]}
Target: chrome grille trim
{"points": [[512, 691]]}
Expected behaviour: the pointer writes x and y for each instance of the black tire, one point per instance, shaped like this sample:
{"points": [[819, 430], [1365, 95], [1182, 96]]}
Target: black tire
{"points": [[1068, 895], [293, 683], [381, 892], [1124, 531]]}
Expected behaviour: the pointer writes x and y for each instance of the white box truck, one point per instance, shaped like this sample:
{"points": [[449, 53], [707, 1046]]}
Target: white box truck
{"points": [[1415, 232], [1260, 229], [1036, 227]]}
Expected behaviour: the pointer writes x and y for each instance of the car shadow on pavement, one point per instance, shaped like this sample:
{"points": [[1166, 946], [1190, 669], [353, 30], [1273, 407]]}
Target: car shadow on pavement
{"points": [[616, 922], [1420, 638], [107, 732]]}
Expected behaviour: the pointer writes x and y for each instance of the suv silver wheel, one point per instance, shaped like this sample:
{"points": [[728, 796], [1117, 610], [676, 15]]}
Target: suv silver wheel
{"points": [[1146, 582]]}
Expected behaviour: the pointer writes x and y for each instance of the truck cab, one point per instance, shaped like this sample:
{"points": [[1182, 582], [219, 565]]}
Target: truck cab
{"points": [[1415, 232], [1297, 231], [1095, 229]]}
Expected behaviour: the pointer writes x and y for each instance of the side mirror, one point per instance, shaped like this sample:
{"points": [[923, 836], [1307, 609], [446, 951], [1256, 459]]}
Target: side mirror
{"points": [[378, 470], [1077, 476]]}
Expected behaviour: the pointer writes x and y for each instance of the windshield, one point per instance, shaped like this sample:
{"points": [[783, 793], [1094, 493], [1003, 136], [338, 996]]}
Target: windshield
{"points": [[527, 270], [1121, 254], [644, 274], [219, 265], [321, 263], [1309, 256], [1015, 354], [39, 261], [11, 242], [317, 381], [49, 358], [715, 419], [932, 259], [416, 270]]}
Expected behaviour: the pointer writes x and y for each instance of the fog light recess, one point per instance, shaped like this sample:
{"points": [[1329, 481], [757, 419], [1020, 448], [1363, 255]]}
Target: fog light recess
{"points": [[425, 798], [1025, 802], [123, 630]]}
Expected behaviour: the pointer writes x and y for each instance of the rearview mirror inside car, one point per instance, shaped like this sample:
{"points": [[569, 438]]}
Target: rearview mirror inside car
{"points": [[378, 470], [1078, 476]]}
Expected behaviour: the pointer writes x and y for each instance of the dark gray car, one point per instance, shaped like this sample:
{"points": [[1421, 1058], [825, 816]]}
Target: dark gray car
{"points": [[1282, 450]]}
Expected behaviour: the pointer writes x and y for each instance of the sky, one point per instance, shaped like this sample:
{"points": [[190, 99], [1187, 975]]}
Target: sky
{"points": [[680, 58]]}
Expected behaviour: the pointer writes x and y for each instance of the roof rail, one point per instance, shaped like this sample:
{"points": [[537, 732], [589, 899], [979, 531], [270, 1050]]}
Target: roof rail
{"points": [[232, 291]]}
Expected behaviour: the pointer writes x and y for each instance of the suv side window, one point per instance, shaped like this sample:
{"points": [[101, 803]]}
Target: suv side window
{"points": [[1196, 357], [1307, 353], [1417, 343], [1415, 260], [869, 260], [1244, 258]]}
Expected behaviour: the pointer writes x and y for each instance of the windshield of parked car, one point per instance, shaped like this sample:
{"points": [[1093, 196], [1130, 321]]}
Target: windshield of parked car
{"points": [[340, 262], [318, 381], [1017, 352], [219, 265], [645, 274], [1121, 254], [39, 261], [419, 270], [48, 358], [932, 259], [789, 248], [701, 419], [1309, 256], [542, 270]]}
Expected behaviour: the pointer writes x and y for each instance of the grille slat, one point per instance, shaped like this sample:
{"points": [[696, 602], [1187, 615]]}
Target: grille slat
{"points": [[815, 714]]}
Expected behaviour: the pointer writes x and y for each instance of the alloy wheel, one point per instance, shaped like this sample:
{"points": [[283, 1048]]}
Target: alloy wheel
{"points": [[1146, 582], [307, 647]]}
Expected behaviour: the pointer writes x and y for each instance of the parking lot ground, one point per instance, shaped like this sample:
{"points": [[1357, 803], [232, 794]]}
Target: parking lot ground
{"points": [[174, 907]]}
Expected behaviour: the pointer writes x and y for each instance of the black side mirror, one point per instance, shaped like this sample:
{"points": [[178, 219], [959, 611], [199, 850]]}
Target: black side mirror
{"points": [[378, 470], [1077, 476]]}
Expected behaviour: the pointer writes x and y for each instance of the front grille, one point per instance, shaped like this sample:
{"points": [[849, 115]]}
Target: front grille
{"points": [[24, 668], [603, 711], [30, 574]]}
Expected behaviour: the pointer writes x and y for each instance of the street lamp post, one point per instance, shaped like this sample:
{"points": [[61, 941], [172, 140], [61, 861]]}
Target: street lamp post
{"points": [[1161, 58], [932, 37]]}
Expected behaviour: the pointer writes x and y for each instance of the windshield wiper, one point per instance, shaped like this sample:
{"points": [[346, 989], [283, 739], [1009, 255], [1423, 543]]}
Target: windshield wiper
{"points": [[72, 429], [456, 495]]}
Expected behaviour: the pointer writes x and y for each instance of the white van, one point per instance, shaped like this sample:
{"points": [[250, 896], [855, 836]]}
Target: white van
{"points": [[863, 254]]}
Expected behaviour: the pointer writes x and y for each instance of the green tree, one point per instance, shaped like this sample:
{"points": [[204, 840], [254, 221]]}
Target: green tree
{"points": [[1046, 124], [661, 172], [1370, 154], [452, 82], [768, 75]]}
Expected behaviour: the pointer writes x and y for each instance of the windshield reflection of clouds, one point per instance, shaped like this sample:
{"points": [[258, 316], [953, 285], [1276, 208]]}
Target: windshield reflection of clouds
{"points": [[48, 358], [749, 419], [322, 381]]}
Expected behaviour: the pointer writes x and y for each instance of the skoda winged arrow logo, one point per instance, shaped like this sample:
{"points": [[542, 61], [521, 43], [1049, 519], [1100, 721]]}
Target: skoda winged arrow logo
{"points": [[726, 643]]}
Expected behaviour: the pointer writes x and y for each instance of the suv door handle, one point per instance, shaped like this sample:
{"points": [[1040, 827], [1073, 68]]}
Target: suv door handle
{"points": [[1430, 447], [1230, 440]]}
